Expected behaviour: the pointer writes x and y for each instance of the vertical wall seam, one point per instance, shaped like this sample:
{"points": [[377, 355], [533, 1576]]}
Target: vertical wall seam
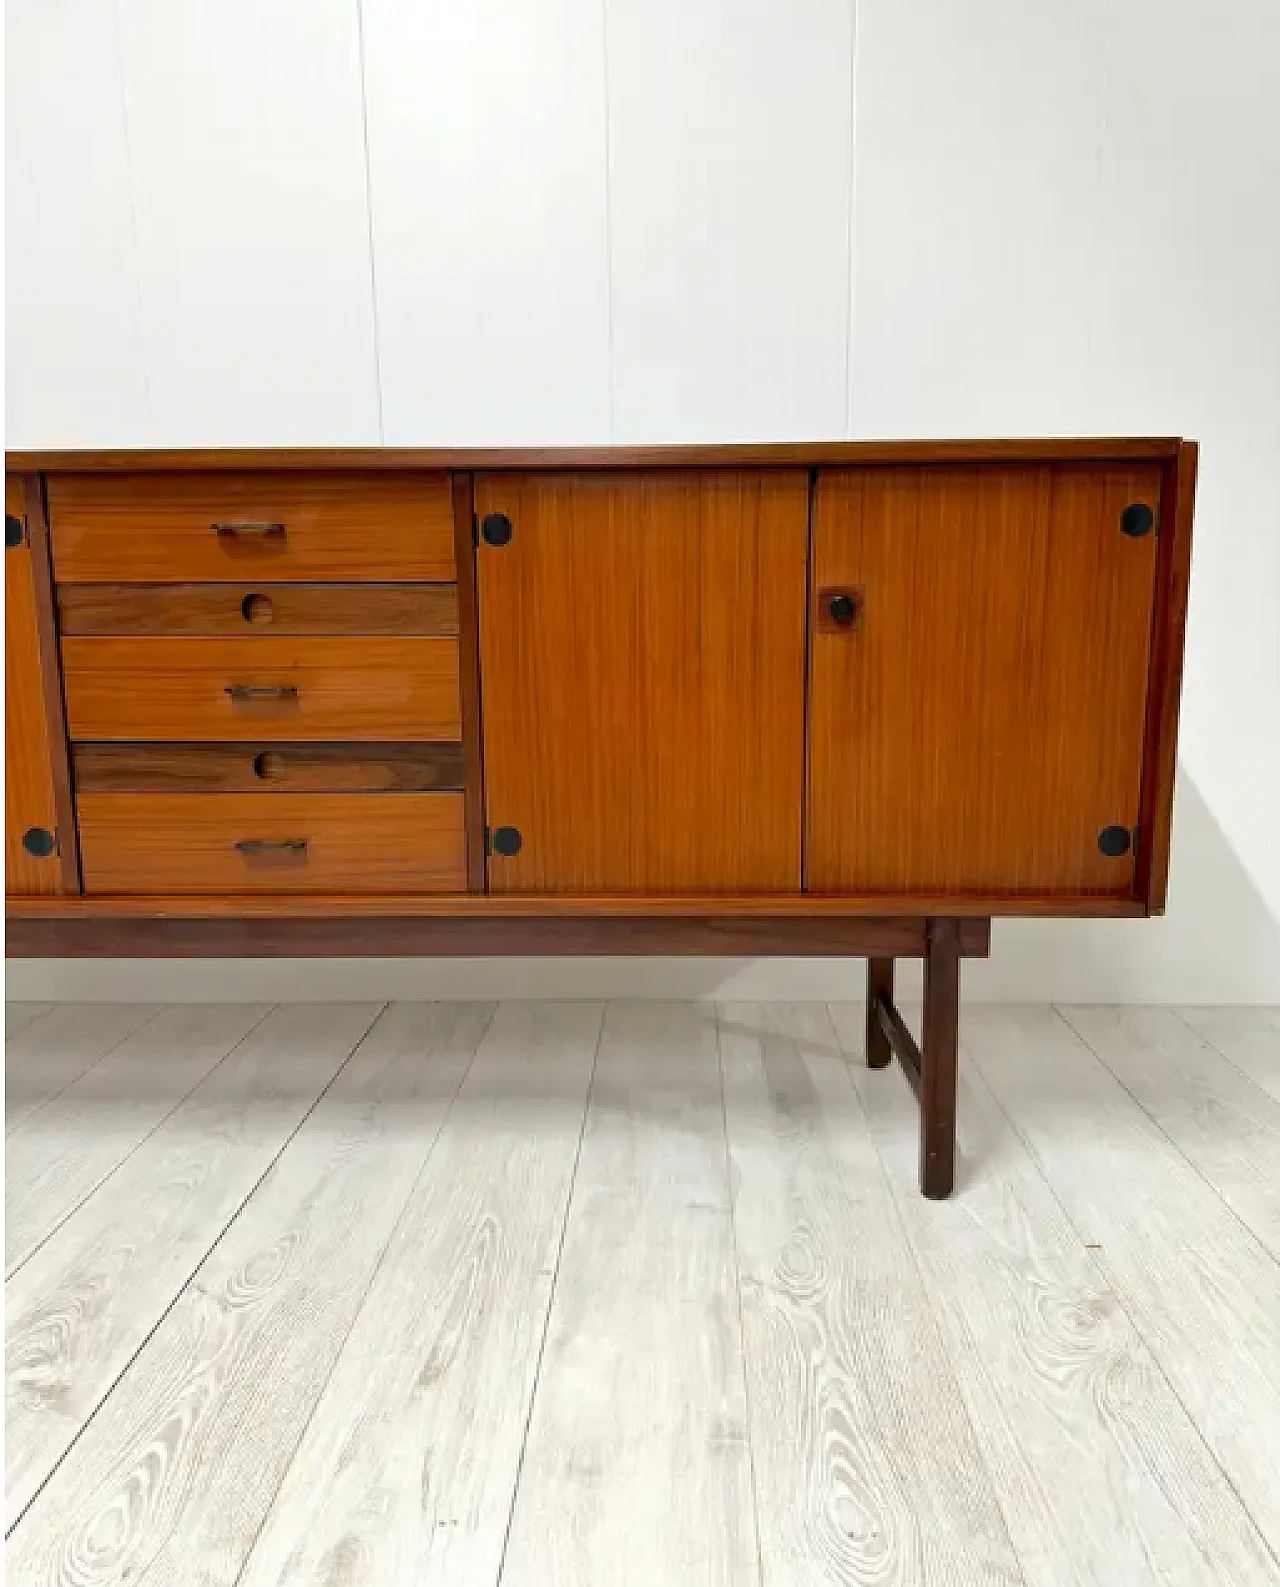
{"points": [[368, 209], [850, 190], [608, 222], [135, 238]]}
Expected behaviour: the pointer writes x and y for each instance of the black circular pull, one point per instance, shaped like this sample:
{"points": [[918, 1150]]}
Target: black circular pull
{"points": [[507, 841], [842, 608], [1137, 520], [38, 841], [12, 531], [1114, 841], [495, 528]]}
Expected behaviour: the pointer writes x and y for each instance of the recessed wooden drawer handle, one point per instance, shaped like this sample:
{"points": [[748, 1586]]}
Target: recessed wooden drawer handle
{"points": [[272, 845], [245, 691], [257, 609], [247, 530]]}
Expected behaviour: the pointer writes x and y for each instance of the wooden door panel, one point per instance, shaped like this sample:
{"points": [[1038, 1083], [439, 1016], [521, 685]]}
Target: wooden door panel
{"points": [[642, 644], [28, 779], [980, 721]]}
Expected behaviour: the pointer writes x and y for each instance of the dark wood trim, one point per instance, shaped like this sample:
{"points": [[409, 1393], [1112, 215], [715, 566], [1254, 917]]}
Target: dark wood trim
{"points": [[898, 1040], [976, 930], [879, 991], [1164, 685], [932, 1066], [262, 767], [469, 459], [939, 1059], [51, 678], [469, 676], [180, 935], [281, 609]]}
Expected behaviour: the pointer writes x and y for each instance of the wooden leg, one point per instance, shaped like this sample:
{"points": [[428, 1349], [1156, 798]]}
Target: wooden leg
{"points": [[939, 1056], [879, 984]]}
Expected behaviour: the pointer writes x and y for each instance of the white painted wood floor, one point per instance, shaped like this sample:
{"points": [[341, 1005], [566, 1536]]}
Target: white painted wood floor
{"points": [[638, 1293]]}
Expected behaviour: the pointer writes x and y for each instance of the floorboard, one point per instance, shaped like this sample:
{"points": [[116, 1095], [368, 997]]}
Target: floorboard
{"points": [[1224, 1124], [563, 1293], [1247, 1037], [637, 1466], [60, 1155], [1099, 1469], [867, 1470], [1199, 1287], [79, 1310], [270, 1308], [50, 1054], [17, 1016], [406, 1473]]}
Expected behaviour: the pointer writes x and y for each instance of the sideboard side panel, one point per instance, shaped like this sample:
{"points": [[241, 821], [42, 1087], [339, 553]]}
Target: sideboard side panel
{"points": [[1173, 579], [37, 777]]}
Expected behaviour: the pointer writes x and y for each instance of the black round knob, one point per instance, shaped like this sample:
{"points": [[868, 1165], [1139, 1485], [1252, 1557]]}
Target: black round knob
{"points": [[1137, 520], [38, 842], [495, 528], [507, 841], [842, 608], [12, 530], [1114, 841]]}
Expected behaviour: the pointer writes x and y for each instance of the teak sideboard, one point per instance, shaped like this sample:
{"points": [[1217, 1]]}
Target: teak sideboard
{"points": [[844, 699]]}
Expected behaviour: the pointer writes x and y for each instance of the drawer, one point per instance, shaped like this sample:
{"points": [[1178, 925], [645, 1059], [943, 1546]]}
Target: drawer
{"points": [[159, 528], [272, 843], [271, 689], [258, 608], [263, 768]]}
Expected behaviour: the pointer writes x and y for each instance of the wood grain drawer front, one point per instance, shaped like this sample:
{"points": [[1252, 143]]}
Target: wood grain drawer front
{"points": [[258, 609], [977, 719], [267, 768], [157, 528], [272, 843], [272, 689]]}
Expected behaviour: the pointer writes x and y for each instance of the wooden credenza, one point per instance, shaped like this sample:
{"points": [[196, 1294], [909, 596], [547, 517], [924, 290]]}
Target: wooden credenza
{"points": [[833, 699]]}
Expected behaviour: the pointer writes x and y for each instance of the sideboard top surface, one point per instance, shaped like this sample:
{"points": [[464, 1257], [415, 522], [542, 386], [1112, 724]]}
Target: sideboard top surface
{"points": [[794, 454]]}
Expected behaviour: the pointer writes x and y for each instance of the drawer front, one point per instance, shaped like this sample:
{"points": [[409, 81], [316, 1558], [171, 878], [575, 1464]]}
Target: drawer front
{"points": [[272, 843], [267, 768], [152, 528], [258, 609], [271, 689]]}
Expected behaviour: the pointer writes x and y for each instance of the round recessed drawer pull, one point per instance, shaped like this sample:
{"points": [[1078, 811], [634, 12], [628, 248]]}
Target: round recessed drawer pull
{"points": [[39, 841], [268, 765], [257, 609], [1114, 841], [507, 841], [1137, 520], [495, 529]]}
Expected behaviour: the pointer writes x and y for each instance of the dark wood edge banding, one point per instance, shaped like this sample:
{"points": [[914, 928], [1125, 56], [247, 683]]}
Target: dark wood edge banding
{"points": [[391, 935], [901, 1041], [469, 459], [262, 766], [516, 906], [469, 677], [260, 610], [1164, 686], [51, 681]]}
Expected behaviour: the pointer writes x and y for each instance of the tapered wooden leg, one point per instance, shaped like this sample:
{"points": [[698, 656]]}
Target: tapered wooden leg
{"points": [[939, 1056], [879, 984]]}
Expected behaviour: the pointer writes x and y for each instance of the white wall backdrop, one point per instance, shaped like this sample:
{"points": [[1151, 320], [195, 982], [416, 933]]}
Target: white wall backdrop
{"points": [[274, 222]]}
